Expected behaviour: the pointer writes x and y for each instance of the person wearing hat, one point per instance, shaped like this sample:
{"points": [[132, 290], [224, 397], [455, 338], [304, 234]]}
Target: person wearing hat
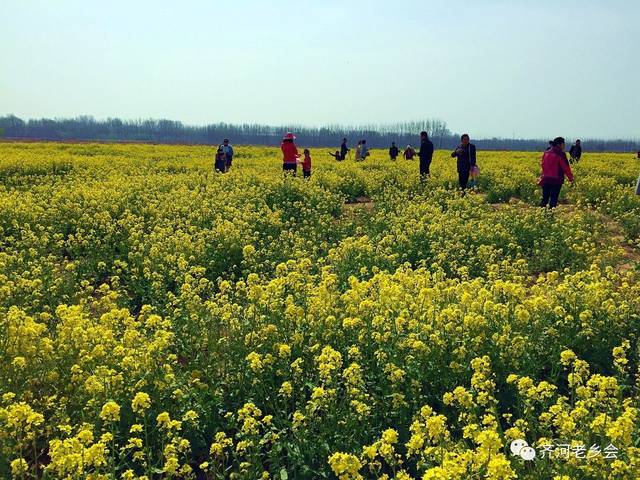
{"points": [[228, 151], [290, 154]]}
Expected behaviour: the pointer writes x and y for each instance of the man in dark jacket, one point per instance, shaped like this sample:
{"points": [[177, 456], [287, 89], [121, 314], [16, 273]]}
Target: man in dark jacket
{"points": [[466, 155], [343, 150], [575, 152], [425, 154], [394, 151]]}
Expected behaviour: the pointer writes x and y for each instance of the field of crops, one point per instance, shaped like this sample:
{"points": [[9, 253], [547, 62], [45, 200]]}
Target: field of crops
{"points": [[159, 320]]}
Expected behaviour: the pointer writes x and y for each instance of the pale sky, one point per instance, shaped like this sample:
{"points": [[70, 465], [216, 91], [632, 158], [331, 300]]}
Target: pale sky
{"points": [[529, 68]]}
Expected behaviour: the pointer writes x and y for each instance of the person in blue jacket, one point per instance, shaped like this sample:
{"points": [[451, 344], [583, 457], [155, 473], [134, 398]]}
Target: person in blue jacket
{"points": [[228, 151]]}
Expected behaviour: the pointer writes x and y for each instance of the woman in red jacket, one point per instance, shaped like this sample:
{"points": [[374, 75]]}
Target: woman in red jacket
{"points": [[555, 166], [290, 154]]}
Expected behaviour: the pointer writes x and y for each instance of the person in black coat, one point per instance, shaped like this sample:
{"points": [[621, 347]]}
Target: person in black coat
{"points": [[425, 154], [343, 150], [575, 152], [394, 151], [466, 156]]}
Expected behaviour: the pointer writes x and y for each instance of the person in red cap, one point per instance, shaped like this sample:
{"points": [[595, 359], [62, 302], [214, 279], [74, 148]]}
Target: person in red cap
{"points": [[290, 154]]}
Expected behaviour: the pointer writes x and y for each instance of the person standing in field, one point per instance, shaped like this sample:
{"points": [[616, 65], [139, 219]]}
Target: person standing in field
{"points": [[306, 163], [409, 153], [290, 154], [555, 167], [426, 155], [228, 151], [220, 163], [343, 150], [466, 160], [364, 151], [394, 151], [575, 152], [358, 150]]}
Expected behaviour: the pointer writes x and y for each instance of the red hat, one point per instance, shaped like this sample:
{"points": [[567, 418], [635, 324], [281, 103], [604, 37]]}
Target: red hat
{"points": [[289, 136]]}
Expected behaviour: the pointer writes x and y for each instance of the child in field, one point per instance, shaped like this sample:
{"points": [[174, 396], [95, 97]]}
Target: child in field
{"points": [[220, 161], [337, 155], [306, 163], [474, 173], [358, 151]]}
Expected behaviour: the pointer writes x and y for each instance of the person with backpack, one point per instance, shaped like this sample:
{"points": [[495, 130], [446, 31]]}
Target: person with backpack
{"points": [[290, 154], [555, 167], [409, 153], [425, 154], [466, 160], [394, 151], [228, 151], [343, 150], [575, 152]]}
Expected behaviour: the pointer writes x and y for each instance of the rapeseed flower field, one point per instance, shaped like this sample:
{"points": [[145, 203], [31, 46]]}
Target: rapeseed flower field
{"points": [[161, 320]]}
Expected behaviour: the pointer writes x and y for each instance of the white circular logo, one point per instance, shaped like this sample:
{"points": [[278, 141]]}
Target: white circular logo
{"points": [[518, 445], [527, 453]]}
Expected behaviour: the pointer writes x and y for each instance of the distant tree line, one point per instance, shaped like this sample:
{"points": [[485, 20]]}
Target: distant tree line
{"points": [[86, 128]]}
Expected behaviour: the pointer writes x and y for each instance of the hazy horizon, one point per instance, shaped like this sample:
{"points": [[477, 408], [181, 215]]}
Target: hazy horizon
{"points": [[490, 68]]}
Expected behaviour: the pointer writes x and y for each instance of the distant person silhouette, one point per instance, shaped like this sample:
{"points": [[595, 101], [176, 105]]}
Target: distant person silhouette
{"points": [[394, 151], [359, 151], [555, 167], [306, 163], [344, 149], [228, 151], [465, 154], [409, 153], [364, 150], [425, 154], [220, 164], [575, 152], [290, 154]]}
